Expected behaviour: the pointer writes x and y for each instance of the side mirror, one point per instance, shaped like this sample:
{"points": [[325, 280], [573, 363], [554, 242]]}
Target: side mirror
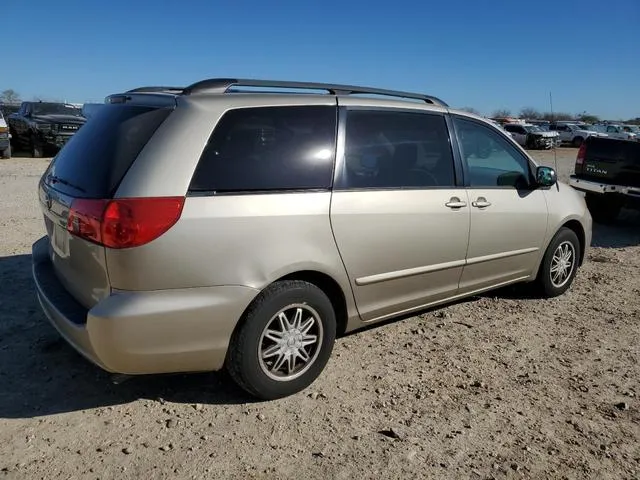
{"points": [[546, 177]]}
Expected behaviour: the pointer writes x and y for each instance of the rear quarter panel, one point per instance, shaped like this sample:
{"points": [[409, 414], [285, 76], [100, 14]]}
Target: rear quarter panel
{"points": [[246, 240]]}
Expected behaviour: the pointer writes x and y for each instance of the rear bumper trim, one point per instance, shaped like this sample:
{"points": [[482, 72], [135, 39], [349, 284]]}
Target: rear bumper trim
{"points": [[599, 187]]}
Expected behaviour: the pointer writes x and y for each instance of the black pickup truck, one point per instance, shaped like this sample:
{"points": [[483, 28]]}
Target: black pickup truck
{"points": [[608, 171], [42, 127]]}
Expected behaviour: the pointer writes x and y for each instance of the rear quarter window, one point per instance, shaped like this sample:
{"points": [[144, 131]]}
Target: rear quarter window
{"points": [[267, 149], [93, 163]]}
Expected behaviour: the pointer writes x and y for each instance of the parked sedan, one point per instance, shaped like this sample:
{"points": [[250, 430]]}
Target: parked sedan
{"points": [[5, 146]]}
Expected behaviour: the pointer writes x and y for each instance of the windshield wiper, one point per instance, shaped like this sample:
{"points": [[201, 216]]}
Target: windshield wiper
{"points": [[56, 179]]}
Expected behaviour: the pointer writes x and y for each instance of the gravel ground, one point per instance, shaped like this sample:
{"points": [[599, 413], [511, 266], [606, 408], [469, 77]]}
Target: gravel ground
{"points": [[500, 386]]}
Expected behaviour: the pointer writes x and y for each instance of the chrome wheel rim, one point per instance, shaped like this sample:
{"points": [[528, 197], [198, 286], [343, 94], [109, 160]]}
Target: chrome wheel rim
{"points": [[290, 343], [562, 264]]}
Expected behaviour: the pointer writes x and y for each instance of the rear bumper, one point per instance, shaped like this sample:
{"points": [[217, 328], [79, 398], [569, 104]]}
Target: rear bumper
{"points": [[598, 187], [167, 331]]}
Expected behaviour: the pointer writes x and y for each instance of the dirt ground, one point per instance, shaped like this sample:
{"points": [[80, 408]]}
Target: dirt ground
{"points": [[500, 386]]}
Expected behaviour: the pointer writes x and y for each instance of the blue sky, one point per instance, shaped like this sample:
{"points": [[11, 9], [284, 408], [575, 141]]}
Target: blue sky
{"points": [[485, 54]]}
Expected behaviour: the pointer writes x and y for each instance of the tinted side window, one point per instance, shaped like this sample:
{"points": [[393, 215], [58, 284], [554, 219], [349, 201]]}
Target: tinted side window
{"points": [[387, 149], [269, 149], [491, 160]]}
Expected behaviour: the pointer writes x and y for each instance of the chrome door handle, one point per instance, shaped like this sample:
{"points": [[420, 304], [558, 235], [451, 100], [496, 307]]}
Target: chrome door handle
{"points": [[481, 202], [455, 202]]}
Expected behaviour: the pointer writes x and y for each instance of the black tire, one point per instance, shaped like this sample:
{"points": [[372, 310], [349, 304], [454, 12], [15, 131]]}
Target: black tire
{"points": [[549, 288], [604, 208], [577, 141], [35, 148], [6, 153], [243, 362]]}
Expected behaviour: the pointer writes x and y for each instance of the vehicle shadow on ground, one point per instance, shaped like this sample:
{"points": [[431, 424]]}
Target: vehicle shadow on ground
{"points": [[40, 374], [624, 232]]}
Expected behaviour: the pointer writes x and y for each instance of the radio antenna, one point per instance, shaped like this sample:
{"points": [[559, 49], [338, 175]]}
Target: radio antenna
{"points": [[555, 153]]}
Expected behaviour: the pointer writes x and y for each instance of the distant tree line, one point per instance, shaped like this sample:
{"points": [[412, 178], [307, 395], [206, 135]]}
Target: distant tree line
{"points": [[11, 96], [531, 113]]}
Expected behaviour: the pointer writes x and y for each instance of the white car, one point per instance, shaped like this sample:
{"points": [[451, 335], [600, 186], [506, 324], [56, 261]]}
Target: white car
{"points": [[532, 136], [575, 133], [623, 132], [5, 138]]}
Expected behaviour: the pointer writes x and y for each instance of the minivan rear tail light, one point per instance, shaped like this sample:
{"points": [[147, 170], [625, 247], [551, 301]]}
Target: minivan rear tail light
{"points": [[582, 153], [123, 222]]}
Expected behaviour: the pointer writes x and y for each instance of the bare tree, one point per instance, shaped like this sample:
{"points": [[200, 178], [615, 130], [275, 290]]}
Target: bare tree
{"points": [[9, 96], [588, 118], [470, 110], [502, 113], [557, 116], [530, 112]]}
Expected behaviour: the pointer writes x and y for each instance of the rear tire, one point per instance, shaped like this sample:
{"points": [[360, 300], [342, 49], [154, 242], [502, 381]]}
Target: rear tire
{"points": [[577, 141], [559, 264], [272, 353], [604, 209]]}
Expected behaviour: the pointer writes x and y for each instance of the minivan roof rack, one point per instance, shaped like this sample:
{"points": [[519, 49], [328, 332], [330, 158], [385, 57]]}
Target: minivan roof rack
{"points": [[223, 85], [156, 90]]}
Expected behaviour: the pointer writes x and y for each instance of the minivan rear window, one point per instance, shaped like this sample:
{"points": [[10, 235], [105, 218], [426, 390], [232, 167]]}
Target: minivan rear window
{"points": [[94, 161]]}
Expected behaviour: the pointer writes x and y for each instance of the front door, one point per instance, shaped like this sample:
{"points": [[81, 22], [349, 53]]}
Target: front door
{"points": [[508, 213], [400, 221]]}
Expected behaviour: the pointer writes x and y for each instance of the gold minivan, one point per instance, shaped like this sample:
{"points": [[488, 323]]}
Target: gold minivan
{"points": [[245, 223]]}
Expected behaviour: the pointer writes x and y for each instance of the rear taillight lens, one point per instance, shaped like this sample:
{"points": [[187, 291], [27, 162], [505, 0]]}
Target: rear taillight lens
{"points": [[123, 223], [582, 152]]}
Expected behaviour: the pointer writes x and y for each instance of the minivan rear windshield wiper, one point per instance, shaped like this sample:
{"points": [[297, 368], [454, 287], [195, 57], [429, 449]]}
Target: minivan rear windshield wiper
{"points": [[56, 179]]}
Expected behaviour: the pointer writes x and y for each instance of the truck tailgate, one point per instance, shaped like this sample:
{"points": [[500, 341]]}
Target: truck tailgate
{"points": [[611, 161]]}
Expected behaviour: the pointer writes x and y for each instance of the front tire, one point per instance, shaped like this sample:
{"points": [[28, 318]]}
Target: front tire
{"points": [[559, 264], [283, 341], [6, 153]]}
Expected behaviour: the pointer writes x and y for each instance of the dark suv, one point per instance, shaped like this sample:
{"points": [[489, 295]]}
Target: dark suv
{"points": [[43, 127]]}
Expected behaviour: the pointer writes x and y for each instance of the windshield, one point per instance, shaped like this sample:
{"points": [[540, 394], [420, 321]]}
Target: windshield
{"points": [[632, 128], [532, 128], [43, 108], [589, 128]]}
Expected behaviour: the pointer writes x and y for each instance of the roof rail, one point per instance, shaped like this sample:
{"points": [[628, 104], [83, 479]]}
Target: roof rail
{"points": [[223, 85], [156, 90]]}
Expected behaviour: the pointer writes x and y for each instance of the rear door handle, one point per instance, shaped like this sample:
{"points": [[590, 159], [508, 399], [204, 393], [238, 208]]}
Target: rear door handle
{"points": [[455, 202], [481, 202]]}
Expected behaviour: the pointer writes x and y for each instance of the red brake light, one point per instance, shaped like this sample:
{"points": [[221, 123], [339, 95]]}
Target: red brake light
{"points": [[123, 223], [85, 217], [582, 152]]}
